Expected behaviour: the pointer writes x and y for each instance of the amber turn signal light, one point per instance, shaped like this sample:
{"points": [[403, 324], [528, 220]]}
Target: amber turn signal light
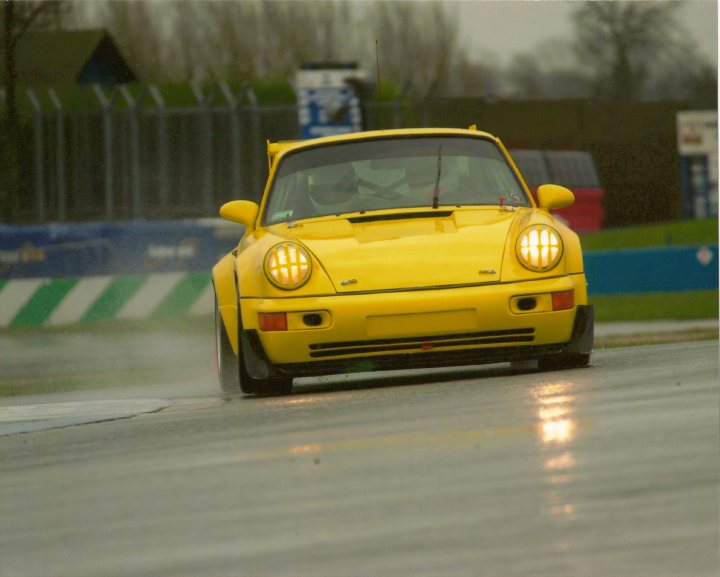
{"points": [[563, 300], [272, 322]]}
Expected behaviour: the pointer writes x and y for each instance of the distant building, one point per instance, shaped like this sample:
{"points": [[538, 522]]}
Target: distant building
{"points": [[70, 57]]}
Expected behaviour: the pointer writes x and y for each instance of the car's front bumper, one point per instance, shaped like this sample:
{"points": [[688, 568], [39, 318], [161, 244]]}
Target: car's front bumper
{"points": [[434, 327]]}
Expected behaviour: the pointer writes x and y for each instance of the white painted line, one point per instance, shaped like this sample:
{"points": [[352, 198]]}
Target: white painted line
{"points": [[79, 300], [152, 293], [205, 304], [15, 295]]}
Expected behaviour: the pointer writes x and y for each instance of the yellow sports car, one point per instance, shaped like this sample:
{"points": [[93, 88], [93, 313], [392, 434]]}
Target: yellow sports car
{"points": [[397, 249]]}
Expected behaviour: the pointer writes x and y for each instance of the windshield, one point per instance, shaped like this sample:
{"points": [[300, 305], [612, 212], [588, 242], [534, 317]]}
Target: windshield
{"points": [[391, 173]]}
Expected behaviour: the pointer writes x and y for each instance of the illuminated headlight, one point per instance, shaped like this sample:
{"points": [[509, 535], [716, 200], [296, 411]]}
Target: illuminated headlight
{"points": [[288, 265], [539, 248]]}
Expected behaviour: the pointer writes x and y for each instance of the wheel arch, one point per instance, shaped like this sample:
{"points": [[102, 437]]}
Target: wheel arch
{"points": [[226, 294]]}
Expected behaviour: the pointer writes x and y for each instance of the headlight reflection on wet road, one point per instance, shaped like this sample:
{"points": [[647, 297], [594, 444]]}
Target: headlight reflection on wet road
{"points": [[554, 405]]}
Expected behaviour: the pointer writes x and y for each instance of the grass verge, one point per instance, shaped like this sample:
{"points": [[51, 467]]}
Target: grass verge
{"points": [[686, 305], [680, 233]]}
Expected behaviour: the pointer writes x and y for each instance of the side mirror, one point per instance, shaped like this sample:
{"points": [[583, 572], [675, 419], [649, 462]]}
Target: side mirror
{"points": [[554, 196], [240, 211]]}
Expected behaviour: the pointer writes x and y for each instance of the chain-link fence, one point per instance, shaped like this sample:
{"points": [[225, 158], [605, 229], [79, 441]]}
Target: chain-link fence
{"points": [[148, 161], [132, 156]]}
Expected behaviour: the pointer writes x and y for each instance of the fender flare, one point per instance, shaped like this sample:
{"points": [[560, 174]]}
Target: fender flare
{"points": [[227, 293], [224, 282]]}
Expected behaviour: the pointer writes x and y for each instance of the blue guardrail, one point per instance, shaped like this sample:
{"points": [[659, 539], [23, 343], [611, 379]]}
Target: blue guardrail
{"points": [[665, 269], [91, 249]]}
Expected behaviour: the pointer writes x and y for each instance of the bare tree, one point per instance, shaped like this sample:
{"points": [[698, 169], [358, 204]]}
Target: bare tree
{"points": [[418, 43], [230, 44], [200, 40], [621, 41], [298, 32], [681, 72], [17, 19], [550, 72], [195, 39], [481, 78]]}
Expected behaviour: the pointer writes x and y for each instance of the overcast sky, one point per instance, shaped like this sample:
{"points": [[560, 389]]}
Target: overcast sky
{"points": [[512, 26]]}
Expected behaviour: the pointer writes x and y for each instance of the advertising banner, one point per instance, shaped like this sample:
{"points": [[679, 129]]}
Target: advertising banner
{"points": [[328, 99]]}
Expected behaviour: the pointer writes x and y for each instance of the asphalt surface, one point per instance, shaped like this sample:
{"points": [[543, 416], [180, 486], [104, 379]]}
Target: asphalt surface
{"points": [[120, 370], [609, 470]]}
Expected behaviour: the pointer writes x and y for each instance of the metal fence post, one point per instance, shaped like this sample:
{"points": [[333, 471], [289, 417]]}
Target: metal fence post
{"points": [[107, 105], [162, 142], [134, 108], [60, 156], [39, 155], [235, 140], [208, 173], [256, 142]]}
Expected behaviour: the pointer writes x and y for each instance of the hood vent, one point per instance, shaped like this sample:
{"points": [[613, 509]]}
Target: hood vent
{"points": [[399, 216]]}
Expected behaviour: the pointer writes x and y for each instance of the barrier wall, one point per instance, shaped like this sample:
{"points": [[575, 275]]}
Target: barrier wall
{"points": [[64, 301], [117, 248], [58, 302], [663, 269]]}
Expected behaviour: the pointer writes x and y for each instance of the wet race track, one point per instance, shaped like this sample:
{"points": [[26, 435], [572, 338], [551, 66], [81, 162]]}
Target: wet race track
{"points": [[605, 471]]}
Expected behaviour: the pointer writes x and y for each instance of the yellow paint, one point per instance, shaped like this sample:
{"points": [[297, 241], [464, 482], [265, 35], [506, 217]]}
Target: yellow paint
{"points": [[552, 196], [240, 211], [491, 306], [417, 323]]}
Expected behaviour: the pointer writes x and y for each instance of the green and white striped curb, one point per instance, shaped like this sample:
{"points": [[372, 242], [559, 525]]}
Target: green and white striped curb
{"points": [[59, 302]]}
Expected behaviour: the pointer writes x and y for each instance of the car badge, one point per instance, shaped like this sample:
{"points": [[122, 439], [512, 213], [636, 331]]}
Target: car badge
{"points": [[487, 271], [348, 281]]}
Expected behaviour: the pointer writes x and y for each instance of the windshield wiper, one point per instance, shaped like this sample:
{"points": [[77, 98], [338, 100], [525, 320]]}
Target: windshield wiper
{"points": [[436, 192]]}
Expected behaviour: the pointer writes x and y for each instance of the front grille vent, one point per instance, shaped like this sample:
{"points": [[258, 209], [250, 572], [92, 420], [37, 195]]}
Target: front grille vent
{"points": [[422, 343]]}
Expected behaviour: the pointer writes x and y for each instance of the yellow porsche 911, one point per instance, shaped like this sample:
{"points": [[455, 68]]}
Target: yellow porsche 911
{"points": [[397, 249]]}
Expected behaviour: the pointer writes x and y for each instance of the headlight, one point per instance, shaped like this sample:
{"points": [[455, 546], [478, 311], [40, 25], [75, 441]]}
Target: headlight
{"points": [[539, 248], [288, 265]]}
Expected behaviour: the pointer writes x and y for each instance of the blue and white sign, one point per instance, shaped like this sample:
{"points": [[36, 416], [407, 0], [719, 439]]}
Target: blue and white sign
{"points": [[327, 101]]}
